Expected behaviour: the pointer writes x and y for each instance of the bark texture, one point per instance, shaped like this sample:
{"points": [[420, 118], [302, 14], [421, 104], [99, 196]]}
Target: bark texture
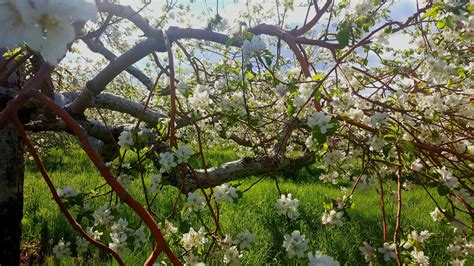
{"points": [[11, 195]]}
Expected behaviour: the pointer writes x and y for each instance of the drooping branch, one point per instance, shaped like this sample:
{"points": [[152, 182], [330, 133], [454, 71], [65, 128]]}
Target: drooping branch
{"points": [[103, 101], [96, 46], [112, 181], [240, 169], [56, 197], [116, 103], [135, 17], [114, 68], [316, 18]]}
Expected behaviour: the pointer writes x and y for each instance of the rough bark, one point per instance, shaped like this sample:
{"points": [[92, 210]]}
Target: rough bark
{"points": [[240, 169], [11, 195]]}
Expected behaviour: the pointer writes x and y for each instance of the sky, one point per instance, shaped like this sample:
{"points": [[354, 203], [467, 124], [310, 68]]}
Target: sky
{"points": [[230, 9]]}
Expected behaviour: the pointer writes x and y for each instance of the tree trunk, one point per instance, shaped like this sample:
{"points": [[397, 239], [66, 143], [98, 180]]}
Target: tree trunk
{"points": [[11, 195]]}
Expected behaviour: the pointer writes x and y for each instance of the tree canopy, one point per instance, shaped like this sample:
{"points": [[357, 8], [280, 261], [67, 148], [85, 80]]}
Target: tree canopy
{"points": [[369, 92]]}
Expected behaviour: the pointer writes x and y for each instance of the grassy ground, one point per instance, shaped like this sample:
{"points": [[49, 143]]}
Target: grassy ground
{"points": [[44, 224]]}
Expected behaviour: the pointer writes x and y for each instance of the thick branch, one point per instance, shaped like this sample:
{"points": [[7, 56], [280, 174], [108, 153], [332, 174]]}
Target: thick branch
{"points": [[130, 14], [96, 46], [115, 103], [317, 17], [241, 169], [99, 82]]}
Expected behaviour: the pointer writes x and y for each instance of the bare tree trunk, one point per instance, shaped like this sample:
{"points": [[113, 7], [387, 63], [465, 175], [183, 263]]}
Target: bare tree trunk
{"points": [[11, 195]]}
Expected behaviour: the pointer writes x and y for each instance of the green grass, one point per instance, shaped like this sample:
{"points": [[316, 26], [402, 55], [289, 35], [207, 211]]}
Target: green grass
{"points": [[44, 224]]}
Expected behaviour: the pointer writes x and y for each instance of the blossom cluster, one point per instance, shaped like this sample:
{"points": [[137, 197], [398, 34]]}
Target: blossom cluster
{"points": [[288, 206], [44, 25], [252, 47]]}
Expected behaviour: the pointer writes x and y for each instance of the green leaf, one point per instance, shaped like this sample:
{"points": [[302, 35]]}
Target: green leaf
{"points": [[318, 77], [441, 24], [432, 12], [268, 59], [386, 150], [250, 75], [443, 190], [344, 34], [231, 41], [410, 147], [291, 108], [318, 136], [389, 137]]}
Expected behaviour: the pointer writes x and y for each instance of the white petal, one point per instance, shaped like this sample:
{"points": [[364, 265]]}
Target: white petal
{"points": [[54, 46]]}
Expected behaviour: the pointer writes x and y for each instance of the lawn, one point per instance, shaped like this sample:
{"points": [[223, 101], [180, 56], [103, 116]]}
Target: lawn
{"points": [[44, 225]]}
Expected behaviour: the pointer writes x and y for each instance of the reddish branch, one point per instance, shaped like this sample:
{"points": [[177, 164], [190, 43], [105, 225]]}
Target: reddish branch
{"points": [[317, 17], [16, 103], [56, 197], [276, 31], [111, 180], [399, 207]]}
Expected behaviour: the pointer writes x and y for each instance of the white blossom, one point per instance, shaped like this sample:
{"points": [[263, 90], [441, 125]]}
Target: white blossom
{"points": [[458, 262], [66, 192], [281, 90], [416, 165], [311, 144], [455, 249], [225, 192], [332, 218], [183, 154], [81, 244], [419, 258], [193, 239], [243, 239], [329, 178], [168, 229], [192, 260], [195, 201], [14, 22], [360, 7], [140, 236], [44, 25], [377, 119], [200, 99], [95, 234], [381, 38], [367, 251], [220, 83], [320, 259], [232, 256], [155, 185], [125, 180], [252, 47], [321, 120], [119, 236], [125, 139], [62, 250], [305, 90], [376, 143], [415, 239], [288, 206], [296, 244], [388, 251], [447, 177], [437, 215], [167, 162], [102, 216], [469, 248]]}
